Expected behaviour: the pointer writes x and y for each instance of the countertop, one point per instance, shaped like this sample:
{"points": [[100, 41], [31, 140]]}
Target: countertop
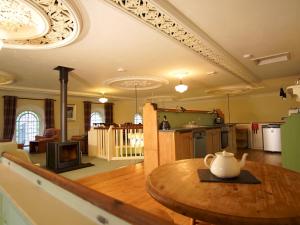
{"points": [[200, 127]]}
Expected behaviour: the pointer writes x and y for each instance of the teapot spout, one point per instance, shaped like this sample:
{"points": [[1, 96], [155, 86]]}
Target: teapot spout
{"points": [[243, 160]]}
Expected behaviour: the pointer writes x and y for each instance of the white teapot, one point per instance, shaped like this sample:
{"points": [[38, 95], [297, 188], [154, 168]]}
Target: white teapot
{"points": [[224, 164]]}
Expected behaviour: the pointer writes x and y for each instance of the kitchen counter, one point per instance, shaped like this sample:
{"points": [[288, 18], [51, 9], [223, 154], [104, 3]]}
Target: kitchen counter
{"points": [[200, 127]]}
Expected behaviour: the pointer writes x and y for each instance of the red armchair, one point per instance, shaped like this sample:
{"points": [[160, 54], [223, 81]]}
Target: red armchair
{"points": [[40, 143]]}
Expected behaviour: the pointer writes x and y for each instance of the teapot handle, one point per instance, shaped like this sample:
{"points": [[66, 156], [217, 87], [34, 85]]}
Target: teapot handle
{"points": [[206, 158]]}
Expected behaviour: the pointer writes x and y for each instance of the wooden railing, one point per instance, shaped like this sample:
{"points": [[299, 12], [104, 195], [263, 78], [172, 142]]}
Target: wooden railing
{"points": [[96, 206], [117, 143]]}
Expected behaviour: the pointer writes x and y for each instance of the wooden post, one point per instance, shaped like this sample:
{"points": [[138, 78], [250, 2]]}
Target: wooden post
{"points": [[110, 142], [151, 154]]}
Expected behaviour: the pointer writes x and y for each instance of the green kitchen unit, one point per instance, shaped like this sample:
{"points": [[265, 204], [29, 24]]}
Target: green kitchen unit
{"points": [[290, 141]]}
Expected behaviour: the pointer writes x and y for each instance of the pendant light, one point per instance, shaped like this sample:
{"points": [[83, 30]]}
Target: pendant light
{"points": [[103, 99], [181, 87], [137, 119]]}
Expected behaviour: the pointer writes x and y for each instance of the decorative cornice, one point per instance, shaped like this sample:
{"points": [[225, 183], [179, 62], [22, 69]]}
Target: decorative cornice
{"points": [[159, 18], [65, 26], [6, 78]]}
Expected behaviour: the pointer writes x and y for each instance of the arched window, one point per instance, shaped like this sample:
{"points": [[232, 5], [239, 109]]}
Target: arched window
{"points": [[96, 117], [27, 126], [138, 119]]}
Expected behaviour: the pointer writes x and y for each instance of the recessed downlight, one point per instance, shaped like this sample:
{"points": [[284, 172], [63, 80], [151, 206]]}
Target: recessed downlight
{"points": [[247, 56], [212, 73], [121, 69]]}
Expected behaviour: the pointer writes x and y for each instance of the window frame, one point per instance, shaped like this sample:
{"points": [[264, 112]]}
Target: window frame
{"points": [[101, 117], [29, 136]]}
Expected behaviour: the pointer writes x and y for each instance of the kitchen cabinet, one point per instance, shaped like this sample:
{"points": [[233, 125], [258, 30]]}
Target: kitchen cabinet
{"points": [[242, 138], [213, 140], [232, 137], [175, 145], [184, 145]]}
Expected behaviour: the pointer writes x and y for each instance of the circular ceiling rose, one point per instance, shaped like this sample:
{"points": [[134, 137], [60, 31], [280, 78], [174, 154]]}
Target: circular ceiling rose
{"points": [[38, 24], [138, 82], [6, 78], [21, 20], [230, 90]]}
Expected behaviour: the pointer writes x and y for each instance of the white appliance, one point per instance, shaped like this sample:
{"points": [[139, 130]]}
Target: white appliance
{"points": [[294, 111], [271, 137]]}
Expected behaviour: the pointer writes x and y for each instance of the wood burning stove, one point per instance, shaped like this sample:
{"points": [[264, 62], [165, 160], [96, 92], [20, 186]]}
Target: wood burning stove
{"points": [[63, 156]]}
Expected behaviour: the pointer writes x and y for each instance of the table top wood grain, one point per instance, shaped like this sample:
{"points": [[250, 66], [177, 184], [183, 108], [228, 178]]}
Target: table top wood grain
{"points": [[275, 201]]}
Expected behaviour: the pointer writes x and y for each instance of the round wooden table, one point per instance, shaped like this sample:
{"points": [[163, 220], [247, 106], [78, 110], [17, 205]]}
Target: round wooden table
{"points": [[275, 201]]}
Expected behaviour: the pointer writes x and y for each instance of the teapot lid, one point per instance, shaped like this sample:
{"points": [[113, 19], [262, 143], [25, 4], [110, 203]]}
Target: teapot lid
{"points": [[224, 154]]}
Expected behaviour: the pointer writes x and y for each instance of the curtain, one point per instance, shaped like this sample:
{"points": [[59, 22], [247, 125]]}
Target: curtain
{"points": [[9, 113], [87, 115], [49, 113], [108, 110]]}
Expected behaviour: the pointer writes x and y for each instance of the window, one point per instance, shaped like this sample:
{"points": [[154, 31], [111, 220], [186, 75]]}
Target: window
{"points": [[138, 119], [27, 126], [96, 117]]}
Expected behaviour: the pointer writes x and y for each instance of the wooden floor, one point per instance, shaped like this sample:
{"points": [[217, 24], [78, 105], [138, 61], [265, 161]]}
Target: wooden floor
{"points": [[128, 184]]}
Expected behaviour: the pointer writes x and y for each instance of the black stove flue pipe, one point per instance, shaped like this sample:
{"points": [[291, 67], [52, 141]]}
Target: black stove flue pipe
{"points": [[63, 78]]}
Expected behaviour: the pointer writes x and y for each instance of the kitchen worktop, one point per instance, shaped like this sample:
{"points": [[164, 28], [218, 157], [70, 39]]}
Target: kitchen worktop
{"points": [[200, 127]]}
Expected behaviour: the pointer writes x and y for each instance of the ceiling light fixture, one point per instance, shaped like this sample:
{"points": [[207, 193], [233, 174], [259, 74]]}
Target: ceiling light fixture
{"points": [[103, 99], [247, 56], [121, 69], [181, 87], [212, 73]]}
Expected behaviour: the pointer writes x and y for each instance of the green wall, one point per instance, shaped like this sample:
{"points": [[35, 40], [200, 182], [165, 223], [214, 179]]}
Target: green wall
{"points": [[179, 119], [290, 138]]}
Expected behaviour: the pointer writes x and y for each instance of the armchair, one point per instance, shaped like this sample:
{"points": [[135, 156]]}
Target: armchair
{"points": [[40, 143]]}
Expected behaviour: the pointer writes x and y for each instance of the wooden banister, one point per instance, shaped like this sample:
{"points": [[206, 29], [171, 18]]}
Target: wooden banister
{"points": [[116, 207]]}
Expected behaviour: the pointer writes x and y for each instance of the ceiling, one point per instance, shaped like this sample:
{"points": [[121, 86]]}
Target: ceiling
{"points": [[112, 38]]}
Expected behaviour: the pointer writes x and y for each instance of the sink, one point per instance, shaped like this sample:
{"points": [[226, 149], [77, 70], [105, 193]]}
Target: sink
{"points": [[191, 125]]}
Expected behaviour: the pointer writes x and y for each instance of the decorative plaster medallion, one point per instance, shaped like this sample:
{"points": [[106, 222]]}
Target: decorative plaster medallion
{"points": [[152, 14], [52, 23], [6, 78], [20, 20], [230, 90], [138, 82]]}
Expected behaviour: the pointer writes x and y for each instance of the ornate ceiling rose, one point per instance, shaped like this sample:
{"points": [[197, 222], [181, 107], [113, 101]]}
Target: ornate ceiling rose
{"points": [[138, 82], [6, 78], [38, 24]]}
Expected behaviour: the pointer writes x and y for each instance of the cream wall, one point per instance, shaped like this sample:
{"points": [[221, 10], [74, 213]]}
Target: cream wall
{"points": [[124, 110]]}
